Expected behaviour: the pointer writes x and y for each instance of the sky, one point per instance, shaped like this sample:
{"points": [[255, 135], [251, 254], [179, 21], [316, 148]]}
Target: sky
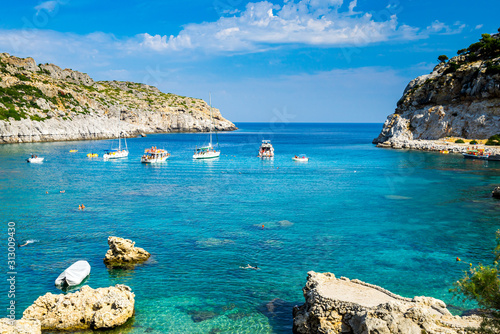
{"points": [[262, 61]]}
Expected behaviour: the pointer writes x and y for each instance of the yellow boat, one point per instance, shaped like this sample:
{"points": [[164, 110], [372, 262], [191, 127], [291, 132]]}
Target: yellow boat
{"points": [[444, 152], [92, 155], [73, 151]]}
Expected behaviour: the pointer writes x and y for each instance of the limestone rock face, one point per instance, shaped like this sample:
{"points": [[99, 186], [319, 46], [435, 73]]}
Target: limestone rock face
{"points": [[86, 309], [460, 98], [47, 103], [22, 326], [351, 306], [496, 192], [123, 252]]}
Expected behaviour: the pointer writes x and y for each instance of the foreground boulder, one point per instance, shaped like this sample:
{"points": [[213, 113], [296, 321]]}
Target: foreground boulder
{"points": [[22, 326], [122, 252], [344, 306], [496, 192], [86, 309]]}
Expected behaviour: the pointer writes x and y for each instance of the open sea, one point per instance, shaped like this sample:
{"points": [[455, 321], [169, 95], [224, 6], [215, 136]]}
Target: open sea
{"points": [[394, 218]]}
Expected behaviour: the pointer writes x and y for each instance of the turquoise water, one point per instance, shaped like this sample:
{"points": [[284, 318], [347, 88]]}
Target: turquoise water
{"points": [[392, 218]]}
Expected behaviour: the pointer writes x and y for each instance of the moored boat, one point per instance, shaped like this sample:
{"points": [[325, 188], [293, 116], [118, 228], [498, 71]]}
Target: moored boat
{"points": [[208, 152], [266, 150], [34, 159], [153, 155], [476, 153], [74, 274], [300, 158]]}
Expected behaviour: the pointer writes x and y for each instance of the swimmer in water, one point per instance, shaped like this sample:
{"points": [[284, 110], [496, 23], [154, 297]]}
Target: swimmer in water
{"points": [[25, 244], [250, 267]]}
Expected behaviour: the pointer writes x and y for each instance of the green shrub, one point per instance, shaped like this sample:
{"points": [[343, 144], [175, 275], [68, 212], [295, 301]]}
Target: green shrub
{"points": [[473, 142], [22, 77], [452, 68], [443, 58], [482, 285], [494, 140], [492, 69], [459, 141]]}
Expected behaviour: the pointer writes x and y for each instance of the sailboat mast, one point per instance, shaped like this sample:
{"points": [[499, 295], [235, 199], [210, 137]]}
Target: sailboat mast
{"points": [[210, 99]]}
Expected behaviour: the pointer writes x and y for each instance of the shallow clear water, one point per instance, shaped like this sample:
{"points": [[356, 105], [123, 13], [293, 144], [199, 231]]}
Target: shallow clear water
{"points": [[392, 218]]}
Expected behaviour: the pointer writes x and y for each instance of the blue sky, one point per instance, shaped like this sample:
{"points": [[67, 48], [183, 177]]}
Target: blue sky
{"points": [[263, 61]]}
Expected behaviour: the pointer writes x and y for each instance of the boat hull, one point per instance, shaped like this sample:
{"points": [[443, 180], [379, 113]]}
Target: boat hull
{"points": [[473, 156], [301, 159], [207, 155], [35, 160], [115, 155]]}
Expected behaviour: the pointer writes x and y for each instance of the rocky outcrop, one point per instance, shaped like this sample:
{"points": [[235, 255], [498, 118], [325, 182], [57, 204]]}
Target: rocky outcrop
{"points": [[46, 103], [86, 309], [122, 252], [496, 192], [355, 307], [460, 98], [22, 326]]}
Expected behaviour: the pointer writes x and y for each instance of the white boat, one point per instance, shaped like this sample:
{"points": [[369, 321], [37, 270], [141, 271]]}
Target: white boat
{"points": [[300, 158], [117, 153], [34, 159], [153, 155], [74, 274], [266, 150], [207, 152]]}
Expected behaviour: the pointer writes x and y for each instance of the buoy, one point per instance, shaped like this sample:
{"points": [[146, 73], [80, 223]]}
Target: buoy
{"points": [[262, 226], [458, 259], [46, 192]]}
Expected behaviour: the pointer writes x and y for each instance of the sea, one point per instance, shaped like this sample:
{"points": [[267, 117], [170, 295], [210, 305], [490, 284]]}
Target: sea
{"points": [[394, 218]]}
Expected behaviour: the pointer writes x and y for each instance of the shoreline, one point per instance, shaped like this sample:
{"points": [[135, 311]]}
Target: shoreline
{"points": [[436, 146]]}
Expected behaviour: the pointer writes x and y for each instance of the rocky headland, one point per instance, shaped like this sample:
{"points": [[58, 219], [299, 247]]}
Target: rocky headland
{"points": [[86, 309], [42, 102], [354, 307], [459, 98], [21, 326]]}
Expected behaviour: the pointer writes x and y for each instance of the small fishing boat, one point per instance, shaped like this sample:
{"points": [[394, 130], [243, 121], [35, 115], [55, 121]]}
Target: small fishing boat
{"points": [[153, 154], [266, 150], [34, 159], [74, 274], [73, 151], [476, 153], [300, 158]]}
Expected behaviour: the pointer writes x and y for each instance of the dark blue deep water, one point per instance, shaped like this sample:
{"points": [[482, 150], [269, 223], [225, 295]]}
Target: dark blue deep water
{"points": [[393, 218]]}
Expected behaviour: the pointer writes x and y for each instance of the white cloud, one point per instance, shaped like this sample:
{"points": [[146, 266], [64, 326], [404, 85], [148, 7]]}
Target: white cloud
{"points": [[444, 29], [479, 26], [306, 22]]}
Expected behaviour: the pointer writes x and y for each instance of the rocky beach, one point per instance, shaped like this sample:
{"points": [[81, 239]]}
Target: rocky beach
{"points": [[42, 102]]}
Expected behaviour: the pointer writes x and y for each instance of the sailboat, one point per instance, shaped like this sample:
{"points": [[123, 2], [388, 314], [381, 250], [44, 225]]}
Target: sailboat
{"points": [[208, 152], [119, 153]]}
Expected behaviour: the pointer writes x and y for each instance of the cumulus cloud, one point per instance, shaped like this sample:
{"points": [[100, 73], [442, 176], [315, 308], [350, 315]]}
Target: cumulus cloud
{"points": [[306, 22], [50, 6], [444, 29]]}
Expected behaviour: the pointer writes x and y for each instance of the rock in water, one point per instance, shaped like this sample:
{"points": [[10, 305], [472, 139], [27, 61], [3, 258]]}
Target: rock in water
{"points": [[343, 306], [496, 192], [122, 252], [22, 326], [86, 309]]}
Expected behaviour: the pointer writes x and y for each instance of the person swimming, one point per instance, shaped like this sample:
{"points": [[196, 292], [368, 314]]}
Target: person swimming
{"points": [[250, 267]]}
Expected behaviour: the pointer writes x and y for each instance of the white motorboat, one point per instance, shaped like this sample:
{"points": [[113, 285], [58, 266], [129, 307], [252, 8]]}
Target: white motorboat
{"points": [[74, 274], [208, 152], [153, 155], [300, 158], [266, 150], [34, 159]]}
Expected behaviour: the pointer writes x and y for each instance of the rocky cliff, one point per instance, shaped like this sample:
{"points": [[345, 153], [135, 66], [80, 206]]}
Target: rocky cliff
{"points": [[459, 98], [46, 103], [346, 306]]}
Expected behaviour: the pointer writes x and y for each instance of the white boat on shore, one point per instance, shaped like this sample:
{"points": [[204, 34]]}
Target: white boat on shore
{"points": [[154, 155], [266, 150], [35, 159], [208, 152], [300, 158], [74, 274]]}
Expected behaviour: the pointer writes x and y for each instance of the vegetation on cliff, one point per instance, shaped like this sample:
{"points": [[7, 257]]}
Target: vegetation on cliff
{"points": [[482, 285]]}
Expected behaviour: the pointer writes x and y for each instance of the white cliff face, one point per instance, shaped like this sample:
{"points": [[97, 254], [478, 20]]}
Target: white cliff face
{"points": [[462, 102], [45, 103]]}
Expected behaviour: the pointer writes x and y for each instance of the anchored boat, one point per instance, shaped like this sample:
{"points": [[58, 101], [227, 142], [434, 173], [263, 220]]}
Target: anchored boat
{"points": [[153, 155], [74, 274], [476, 153], [34, 159], [208, 152], [266, 150], [300, 158]]}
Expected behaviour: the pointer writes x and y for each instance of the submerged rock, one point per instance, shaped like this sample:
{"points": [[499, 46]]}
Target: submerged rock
{"points": [[22, 326], [496, 192], [122, 252], [199, 316], [352, 306], [86, 309]]}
